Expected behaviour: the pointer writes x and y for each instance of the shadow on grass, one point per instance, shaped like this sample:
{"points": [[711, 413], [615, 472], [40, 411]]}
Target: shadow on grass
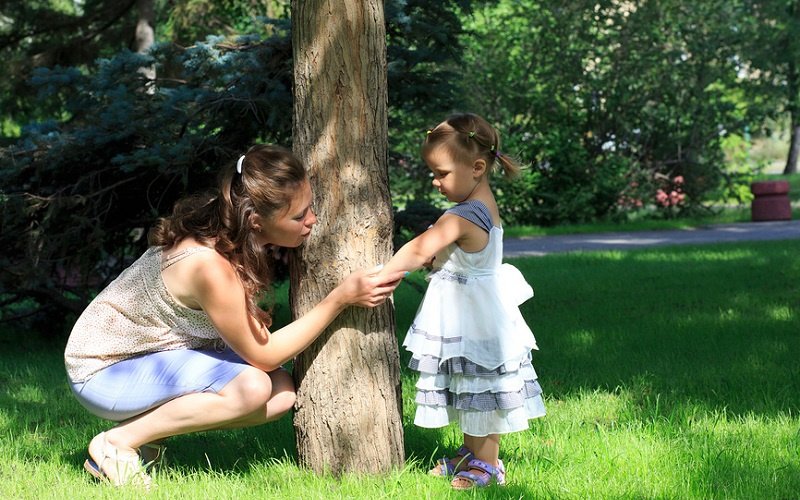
{"points": [[37, 408], [717, 326]]}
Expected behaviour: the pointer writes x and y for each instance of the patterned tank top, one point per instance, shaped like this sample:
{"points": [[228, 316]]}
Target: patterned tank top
{"points": [[134, 315]]}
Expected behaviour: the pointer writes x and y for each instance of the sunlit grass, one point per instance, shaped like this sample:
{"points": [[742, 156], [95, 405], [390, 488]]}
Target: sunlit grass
{"points": [[668, 373]]}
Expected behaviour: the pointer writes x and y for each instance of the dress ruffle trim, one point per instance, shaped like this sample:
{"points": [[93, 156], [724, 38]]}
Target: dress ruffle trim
{"points": [[457, 384], [485, 401], [481, 423], [460, 365]]}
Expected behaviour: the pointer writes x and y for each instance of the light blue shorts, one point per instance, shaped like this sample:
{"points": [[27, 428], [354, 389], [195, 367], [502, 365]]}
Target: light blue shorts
{"points": [[133, 386]]}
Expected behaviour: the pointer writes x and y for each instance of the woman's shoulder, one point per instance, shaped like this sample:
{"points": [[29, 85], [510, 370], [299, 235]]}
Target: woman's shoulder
{"points": [[186, 244], [191, 269]]}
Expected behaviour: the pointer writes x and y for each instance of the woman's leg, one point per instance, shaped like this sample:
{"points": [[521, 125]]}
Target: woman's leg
{"points": [[253, 397], [176, 392], [282, 400]]}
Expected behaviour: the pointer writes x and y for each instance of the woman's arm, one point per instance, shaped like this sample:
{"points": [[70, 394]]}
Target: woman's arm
{"points": [[220, 293]]}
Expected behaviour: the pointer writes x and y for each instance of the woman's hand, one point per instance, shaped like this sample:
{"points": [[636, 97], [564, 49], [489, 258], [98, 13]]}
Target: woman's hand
{"points": [[366, 289]]}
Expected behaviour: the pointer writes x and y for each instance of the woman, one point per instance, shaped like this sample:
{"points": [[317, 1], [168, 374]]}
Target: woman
{"points": [[178, 344]]}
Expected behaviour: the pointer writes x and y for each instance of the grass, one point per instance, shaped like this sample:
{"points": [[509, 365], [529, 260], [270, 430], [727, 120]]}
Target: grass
{"points": [[668, 373]]}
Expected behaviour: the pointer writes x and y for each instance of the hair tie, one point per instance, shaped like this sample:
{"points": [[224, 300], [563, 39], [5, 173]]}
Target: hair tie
{"points": [[428, 132], [239, 165]]}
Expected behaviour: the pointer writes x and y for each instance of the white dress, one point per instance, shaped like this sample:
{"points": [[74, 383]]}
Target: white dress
{"points": [[470, 342]]}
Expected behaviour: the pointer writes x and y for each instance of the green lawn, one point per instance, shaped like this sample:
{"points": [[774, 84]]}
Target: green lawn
{"points": [[668, 373]]}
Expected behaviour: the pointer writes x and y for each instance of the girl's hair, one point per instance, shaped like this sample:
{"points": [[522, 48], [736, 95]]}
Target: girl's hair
{"points": [[468, 137], [270, 177]]}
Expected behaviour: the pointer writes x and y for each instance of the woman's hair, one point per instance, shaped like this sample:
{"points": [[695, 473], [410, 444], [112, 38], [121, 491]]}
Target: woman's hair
{"points": [[263, 182], [468, 137]]}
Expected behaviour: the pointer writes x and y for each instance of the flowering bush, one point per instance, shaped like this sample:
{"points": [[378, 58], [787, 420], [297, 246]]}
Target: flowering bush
{"points": [[670, 196], [630, 199]]}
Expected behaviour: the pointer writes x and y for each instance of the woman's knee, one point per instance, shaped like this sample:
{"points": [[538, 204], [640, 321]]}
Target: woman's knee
{"points": [[250, 390]]}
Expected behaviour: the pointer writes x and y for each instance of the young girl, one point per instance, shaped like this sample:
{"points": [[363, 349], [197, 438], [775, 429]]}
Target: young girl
{"points": [[469, 341]]}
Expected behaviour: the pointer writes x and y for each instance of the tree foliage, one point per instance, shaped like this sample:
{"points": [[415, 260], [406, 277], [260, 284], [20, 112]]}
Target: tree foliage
{"points": [[606, 99], [424, 56], [770, 52], [80, 188], [79, 193], [615, 106]]}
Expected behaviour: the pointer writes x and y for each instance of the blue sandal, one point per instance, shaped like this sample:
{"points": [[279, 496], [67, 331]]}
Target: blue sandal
{"points": [[446, 467], [479, 480]]}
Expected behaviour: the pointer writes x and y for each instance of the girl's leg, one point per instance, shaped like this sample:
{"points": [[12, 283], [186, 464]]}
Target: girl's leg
{"points": [[486, 449]]}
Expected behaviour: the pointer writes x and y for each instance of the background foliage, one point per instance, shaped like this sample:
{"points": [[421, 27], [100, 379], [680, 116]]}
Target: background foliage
{"points": [[618, 109]]}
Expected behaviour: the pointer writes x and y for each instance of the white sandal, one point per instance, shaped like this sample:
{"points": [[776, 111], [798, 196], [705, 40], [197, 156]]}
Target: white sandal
{"points": [[152, 454], [108, 463]]}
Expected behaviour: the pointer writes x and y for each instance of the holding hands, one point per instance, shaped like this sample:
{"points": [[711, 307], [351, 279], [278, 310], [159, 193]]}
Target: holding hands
{"points": [[369, 288]]}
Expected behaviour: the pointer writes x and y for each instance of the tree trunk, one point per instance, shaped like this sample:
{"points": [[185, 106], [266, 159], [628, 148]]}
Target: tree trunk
{"points": [[793, 88], [348, 412], [145, 37], [794, 146]]}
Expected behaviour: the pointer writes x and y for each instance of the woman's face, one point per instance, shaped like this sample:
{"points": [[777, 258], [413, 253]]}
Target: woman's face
{"points": [[289, 228]]}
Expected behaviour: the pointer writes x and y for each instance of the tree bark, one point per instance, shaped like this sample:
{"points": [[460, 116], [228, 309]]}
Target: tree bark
{"points": [[794, 146], [793, 88], [145, 37], [348, 412]]}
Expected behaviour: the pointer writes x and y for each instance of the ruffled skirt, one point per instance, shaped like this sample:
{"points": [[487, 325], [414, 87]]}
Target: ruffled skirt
{"points": [[472, 349], [480, 400]]}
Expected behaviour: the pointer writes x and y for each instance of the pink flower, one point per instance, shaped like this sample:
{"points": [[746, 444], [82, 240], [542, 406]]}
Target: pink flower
{"points": [[662, 197], [678, 180]]}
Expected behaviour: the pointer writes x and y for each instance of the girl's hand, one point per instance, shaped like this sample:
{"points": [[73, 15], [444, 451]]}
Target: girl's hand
{"points": [[366, 289]]}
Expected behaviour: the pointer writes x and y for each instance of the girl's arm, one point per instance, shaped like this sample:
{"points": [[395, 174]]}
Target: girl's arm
{"points": [[414, 254], [221, 295]]}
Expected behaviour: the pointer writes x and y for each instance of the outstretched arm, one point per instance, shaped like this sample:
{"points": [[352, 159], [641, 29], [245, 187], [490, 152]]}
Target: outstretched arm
{"points": [[414, 254], [220, 294]]}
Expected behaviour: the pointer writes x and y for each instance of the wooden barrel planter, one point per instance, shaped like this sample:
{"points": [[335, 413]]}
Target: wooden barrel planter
{"points": [[770, 201]]}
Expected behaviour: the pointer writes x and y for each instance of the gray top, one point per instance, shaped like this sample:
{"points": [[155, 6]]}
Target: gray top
{"points": [[474, 211]]}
